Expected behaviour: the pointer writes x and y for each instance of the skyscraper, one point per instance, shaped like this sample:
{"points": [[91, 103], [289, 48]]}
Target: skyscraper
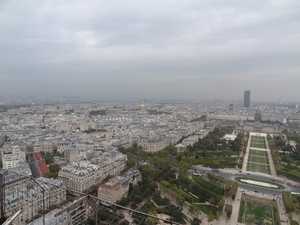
{"points": [[247, 99]]}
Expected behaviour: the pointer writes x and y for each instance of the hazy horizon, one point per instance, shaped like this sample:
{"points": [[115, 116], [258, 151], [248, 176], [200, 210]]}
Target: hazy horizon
{"points": [[131, 50]]}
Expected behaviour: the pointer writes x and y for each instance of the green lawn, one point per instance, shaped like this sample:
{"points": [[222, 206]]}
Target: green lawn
{"points": [[257, 152], [258, 142], [260, 168], [258, 156], [206, 195], [254, 211], [290, 171], [258, 161], [287, 165]]}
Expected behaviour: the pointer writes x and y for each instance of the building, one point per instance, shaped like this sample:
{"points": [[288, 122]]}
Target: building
{"points": [[114, 189], [44, 147], [12, 157], [152, 147], [74, 213], [191, 139], [31, 196], [258, 116], [80, 176], [2, 140], [247, 99], [229, 137], [180, 147], [72, 155], [77, 211], [12, 188], [51, 191]]}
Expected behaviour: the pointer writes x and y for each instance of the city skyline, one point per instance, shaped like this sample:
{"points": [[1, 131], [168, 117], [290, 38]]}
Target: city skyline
{"points": [[137, 112], [125, 154], [157, 50]]}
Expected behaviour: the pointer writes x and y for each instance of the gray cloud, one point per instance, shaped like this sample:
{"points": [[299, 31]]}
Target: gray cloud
{"points": [[142, 49]]}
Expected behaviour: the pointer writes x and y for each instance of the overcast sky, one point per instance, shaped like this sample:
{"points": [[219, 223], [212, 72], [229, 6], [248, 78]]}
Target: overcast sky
{"points": [[135, 49]]}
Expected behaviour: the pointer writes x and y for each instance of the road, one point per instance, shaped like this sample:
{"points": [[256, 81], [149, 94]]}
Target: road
{"points": [[246, 157], [233, 174], [236, 207]]}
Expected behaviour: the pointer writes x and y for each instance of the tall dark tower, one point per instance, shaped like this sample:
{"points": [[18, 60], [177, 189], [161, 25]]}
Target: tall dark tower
{"points": [[247, 98]]}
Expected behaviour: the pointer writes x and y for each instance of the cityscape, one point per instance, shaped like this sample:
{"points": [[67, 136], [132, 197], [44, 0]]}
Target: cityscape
{"points": [[149, 112], [180, 163]]}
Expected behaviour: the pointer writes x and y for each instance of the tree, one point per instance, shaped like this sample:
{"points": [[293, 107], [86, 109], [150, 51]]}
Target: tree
{"points": [[294, 222], [90, 222], [130, 189], [228, 210], [53, 171], [124, 222], [196, 221], [48, 158]]}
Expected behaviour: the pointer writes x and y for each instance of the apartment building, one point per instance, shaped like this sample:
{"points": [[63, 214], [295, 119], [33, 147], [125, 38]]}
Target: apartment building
{"points": [[30, 196], [74, 213], [11, 156], [115, 188], [80, 176]]}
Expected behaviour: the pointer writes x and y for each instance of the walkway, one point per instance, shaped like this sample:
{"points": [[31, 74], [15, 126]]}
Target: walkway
{"points": [[271, 162]]}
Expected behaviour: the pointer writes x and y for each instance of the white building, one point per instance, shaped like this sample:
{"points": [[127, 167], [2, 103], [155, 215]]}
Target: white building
{"points": [[12, 157], [229, 137], [152, 147], [80, 176]]}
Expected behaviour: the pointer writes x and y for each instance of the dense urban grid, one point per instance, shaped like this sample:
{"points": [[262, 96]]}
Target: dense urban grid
{"points": [[150, 163]]}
